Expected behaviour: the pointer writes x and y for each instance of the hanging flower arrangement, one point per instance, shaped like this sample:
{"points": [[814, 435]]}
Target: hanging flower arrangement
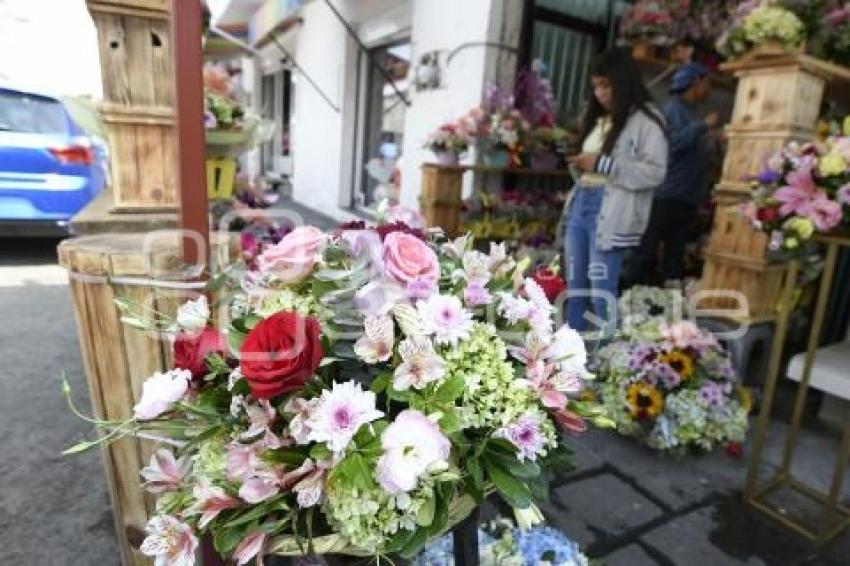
{"points": [[361, 394]]}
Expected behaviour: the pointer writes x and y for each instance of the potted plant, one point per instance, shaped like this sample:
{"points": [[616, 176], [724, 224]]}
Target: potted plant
{"points": [[544, 147], [771, 29], [507, 140], [647, 24], [449, 142]]}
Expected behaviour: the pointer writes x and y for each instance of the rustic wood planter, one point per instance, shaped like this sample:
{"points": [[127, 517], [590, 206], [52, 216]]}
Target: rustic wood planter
{"points": [[119, 358]]}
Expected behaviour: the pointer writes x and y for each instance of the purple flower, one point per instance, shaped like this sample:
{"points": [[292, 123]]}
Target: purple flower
{"points": [[642, 355], [768, 177], [666, 376], [714, 393], [526, 436]]}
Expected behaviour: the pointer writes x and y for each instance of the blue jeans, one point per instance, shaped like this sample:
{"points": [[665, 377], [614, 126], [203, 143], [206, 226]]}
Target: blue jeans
{"points": [[592, 275]]}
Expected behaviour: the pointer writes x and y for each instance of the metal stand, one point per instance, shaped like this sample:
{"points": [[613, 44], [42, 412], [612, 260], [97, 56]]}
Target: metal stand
{"points": [[465, 539], [755, 494]]}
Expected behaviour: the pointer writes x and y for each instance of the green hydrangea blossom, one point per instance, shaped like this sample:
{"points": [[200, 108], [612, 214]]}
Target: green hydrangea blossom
{"points": [[287, 300], [369, 518], [767, 23], [493, 397], [210, 463]]}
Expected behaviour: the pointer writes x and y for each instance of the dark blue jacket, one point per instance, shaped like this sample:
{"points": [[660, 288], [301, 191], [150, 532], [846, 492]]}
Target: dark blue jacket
{"points": [[687, 163]]}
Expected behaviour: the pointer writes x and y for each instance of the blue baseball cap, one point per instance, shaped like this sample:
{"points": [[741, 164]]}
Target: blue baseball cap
{"points": [[685, 76]]}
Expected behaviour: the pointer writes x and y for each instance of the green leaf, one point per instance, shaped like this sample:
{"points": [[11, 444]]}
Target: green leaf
{"points": [[450, 421], [425, 516], [226, 539], [398, 541], [320, 452], [441, 511], [395, 395], [514, 492], [353, 471], [292, 457], [451, 389], [414, 544], [380, 383], [80, 447], [273, 504]]}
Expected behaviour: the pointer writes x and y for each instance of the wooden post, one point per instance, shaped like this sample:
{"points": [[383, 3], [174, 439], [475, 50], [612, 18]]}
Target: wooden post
{"points": [[186, 30]]}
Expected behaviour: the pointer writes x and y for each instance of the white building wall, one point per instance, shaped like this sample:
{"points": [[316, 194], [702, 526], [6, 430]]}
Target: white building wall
{"points": [[445, 25], [319, 146]]}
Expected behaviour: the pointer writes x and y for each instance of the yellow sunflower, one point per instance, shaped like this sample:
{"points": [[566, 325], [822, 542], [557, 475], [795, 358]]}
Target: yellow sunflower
{"points": [[644, 400], [679, 361]]}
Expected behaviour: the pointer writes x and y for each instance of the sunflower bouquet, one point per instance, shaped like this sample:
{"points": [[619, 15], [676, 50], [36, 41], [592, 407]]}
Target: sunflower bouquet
{"points": [[673, 389], [359, 392]]}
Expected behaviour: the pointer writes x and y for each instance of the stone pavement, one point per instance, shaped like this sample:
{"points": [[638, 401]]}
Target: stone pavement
{"points": [[630, 506]]}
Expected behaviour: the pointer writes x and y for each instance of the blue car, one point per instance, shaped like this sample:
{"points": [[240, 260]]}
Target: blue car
{"points": [[49, 167]]}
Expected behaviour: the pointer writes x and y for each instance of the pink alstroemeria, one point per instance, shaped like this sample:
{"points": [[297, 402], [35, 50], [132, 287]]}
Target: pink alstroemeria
{"points": [[242, 460], [165, 473], [826, 214], [211, 501], [552, 386], [265, 485], [261, 415], [170, 542], [799, 191], [249, 548], [569, 421], [308, 482]]}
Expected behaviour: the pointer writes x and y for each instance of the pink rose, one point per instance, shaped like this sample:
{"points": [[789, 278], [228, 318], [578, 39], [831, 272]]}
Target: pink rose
{"points": [[292, 259], [408, 259]]}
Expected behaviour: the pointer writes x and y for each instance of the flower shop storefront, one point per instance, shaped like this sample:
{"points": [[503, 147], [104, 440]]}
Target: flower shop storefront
{"points": [[361, 392]]}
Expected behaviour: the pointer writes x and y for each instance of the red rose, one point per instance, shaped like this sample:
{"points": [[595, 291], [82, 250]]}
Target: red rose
{"points": [[551, 283], [734, 449], [767, 214], [192, 348], [280, 354]]}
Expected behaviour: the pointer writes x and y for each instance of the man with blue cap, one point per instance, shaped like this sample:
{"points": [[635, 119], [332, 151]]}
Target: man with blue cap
{"points": [[685, 186]]}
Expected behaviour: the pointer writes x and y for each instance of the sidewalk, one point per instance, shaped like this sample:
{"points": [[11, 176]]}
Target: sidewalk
{"points": [[630, 506]]}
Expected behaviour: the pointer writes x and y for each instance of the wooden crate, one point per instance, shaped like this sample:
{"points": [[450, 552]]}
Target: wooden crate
{"points": [[440, 200], [777, 99], [142, 145], [118, 358], [748, 150], [136, 58], [758, 283], [733, 236]]}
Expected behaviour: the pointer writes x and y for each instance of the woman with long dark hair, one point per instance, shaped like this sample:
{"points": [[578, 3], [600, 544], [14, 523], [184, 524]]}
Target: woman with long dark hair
{"points": [[623, 158]]}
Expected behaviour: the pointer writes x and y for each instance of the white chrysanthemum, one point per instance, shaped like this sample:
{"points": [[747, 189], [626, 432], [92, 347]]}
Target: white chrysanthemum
{"points": [[339, 414], [376, 344], [193, 315], [420, 365], [445, 318]]}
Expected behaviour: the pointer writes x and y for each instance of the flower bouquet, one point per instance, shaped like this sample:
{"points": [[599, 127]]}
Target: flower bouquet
{"points": [[448, 142], [360, 393], [804, 189], [230, 128], [648, 21], [672, 386], [755, 25]]}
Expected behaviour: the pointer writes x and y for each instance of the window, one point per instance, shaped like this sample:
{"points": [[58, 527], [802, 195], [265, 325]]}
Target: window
{"points": [[277, 106], [381, 131]]}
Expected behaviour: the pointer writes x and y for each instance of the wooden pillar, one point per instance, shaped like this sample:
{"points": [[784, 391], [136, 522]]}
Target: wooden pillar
{"points": [[186, 34]]}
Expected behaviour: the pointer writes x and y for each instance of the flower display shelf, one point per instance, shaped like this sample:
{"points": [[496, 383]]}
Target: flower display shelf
{"points": [[440, 201], [832, 517]]}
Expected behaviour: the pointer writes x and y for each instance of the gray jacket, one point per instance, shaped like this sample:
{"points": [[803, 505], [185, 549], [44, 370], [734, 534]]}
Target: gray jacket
{"points": [[637, 164]]}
